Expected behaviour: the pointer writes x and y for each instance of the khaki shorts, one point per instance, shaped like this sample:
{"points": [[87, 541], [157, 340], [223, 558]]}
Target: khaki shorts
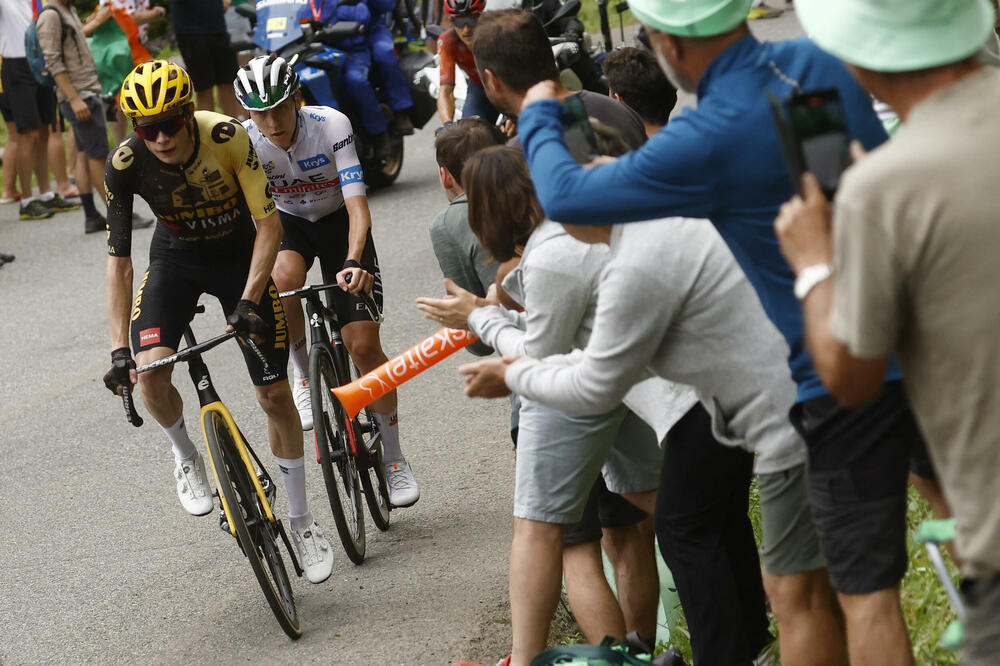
{"points": [[790, 540], [560, 456]]}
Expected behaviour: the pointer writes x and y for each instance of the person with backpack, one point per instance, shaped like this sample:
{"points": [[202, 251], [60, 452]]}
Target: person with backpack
{"points": [[65, 58], [32, 108]]}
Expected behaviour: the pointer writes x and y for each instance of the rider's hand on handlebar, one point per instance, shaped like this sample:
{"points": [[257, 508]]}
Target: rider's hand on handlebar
{"points": [[122, 371], [354, 279], [246, 322]]}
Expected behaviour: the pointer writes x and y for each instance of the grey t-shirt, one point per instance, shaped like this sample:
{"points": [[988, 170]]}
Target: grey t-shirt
{"points": [[612, 113], [673, 303], [916, 242], [461, 257]]}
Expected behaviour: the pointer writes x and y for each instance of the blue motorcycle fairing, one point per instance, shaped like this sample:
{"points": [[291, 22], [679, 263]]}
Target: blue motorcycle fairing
{"points": [[278, 22], [320, 80]]}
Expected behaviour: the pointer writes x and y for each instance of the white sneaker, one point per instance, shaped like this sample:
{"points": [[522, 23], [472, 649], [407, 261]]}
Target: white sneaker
{"points": [[314, 552], [303, 401], [192, 486], [403, 488]]}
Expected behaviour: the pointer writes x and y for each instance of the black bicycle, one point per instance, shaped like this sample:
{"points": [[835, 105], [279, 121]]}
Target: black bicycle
{"points": [[349, 450], [245, 489]]}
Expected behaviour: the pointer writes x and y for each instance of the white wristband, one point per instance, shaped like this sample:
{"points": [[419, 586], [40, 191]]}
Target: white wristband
{"points": [[809, 277]]}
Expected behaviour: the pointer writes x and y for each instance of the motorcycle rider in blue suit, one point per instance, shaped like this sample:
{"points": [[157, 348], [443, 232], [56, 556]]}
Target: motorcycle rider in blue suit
{"points": [[359, 92], [382, 48]]}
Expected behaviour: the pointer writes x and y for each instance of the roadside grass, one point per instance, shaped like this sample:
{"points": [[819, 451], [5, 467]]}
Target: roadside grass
{"points": [[592, 22], [925, 604]]}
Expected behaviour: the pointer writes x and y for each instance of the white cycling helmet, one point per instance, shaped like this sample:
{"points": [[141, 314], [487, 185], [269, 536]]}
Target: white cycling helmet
{"points": [[265, 82]]}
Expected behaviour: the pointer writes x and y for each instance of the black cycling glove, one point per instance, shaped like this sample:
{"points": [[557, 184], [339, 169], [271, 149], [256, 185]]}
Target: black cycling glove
{"points": [[118, 375], [246, 321]]}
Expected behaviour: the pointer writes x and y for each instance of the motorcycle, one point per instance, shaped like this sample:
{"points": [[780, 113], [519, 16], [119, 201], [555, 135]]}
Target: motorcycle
{"points": [[311, 47]]}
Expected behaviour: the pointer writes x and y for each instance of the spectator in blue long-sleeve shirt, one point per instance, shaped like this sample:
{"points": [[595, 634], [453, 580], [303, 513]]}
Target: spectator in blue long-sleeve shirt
{"points": [[360, 95], [382, 48], [723, 161]]}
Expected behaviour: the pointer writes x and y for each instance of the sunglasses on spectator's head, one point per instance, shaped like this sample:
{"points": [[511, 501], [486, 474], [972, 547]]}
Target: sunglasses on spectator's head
{"points": [[465, 21], [151, 131]]}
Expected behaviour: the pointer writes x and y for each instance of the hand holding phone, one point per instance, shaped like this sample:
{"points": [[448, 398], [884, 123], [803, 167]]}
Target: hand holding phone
{"points": [[814, 138]]}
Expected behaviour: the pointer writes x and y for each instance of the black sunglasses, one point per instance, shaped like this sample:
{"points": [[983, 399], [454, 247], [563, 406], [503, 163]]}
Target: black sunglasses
{"points": [[151, 131], [465, 21]]}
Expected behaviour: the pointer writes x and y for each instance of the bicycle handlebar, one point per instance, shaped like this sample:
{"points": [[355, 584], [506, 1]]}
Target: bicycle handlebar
{"points": [[366, 297], [130, 412]]}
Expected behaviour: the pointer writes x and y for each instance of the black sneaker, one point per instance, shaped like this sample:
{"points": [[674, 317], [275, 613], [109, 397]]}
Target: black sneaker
{"points": [[6, 258], [94, 223], [141, 222], [35, 211], [402, 124], [59, 205]]}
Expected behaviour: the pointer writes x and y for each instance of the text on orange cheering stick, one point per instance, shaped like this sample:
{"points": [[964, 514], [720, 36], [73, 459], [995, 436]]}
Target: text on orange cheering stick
{"points": [[370, 387]]}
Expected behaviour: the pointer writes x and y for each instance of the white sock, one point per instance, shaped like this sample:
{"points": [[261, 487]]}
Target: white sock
{"points": [[25, 201], [300, 357], [182, 445], [293, 473], [388, 425], [48, 196]]}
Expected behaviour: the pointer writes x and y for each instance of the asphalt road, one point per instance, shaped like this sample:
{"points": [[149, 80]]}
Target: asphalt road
{"points": [[99, 563]]}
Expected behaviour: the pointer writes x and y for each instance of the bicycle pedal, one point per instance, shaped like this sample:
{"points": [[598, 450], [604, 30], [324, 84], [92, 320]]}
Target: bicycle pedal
{"points": [[223, 522]]}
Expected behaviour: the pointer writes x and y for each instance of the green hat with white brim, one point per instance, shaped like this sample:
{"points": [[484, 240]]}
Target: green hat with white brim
{"points": [[897, 35], [691, 18]]}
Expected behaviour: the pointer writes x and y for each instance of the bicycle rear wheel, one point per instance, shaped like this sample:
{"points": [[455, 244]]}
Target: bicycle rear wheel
{"points": [[340, 470], [254, 533]]}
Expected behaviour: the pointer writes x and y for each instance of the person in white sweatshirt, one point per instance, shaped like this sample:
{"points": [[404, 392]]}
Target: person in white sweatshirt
{"points": [[559, 456]]}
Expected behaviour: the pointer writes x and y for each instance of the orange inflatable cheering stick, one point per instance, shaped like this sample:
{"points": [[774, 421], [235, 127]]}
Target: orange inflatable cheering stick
{"points": [[370, 387]]}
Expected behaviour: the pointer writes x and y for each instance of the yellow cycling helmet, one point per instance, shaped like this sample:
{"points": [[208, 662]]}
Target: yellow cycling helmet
{"points": [[155, 87]]}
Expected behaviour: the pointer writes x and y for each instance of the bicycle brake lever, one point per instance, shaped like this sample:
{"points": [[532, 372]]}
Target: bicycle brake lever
{"points": [[370, 304], [130, 413]]}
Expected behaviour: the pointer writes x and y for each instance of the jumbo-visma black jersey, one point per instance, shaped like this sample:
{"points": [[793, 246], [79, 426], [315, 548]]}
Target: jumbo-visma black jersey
{"points": [[206, 205]]}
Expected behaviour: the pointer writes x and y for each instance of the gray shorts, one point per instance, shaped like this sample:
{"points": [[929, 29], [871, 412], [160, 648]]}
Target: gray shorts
{"points": [[559, 456], [790, 540], [91, 136]]}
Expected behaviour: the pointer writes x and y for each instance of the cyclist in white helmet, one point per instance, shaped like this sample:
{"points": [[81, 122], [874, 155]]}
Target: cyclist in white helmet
{"points": [[309, 156]]}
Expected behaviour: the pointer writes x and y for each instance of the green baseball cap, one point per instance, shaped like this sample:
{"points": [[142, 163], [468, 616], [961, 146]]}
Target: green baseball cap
{"points": [[897, 35], [691, 18]]}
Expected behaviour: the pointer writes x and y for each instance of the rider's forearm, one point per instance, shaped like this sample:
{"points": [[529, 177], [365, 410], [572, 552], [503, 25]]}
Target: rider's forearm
{"points": [[119, 277], [265, 251], [361, 222], [446, 103]]}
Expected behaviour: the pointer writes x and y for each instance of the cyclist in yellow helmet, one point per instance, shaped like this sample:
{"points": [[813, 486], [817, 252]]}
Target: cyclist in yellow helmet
{"points": [[218, 233]]}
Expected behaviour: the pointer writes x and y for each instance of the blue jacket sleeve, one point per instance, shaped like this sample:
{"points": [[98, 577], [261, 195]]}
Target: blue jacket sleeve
{"points": [[379, 7], [670, 175]]}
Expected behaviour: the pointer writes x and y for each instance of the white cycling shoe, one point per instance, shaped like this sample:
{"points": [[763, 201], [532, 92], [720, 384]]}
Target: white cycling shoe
{"points": [[303, 401], [314, 553], [192, 486], [403, 488]]}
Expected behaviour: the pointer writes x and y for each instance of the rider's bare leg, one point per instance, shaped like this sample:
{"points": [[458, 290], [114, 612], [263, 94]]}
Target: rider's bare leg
{"points": [[290, 273], [164, 401]]}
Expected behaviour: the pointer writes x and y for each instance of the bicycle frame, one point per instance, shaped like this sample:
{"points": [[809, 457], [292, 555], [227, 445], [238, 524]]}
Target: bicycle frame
{"points": [[210, 401], [317, 315]]}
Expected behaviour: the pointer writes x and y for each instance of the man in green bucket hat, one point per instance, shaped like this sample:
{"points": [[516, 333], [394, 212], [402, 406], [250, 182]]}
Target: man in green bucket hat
{"points": [[723, 161], [913, 245]]}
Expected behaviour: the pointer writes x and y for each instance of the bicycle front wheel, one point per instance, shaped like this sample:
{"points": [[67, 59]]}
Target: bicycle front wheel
{"points": [[254, 533], [373, 480], [340, 470]]}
